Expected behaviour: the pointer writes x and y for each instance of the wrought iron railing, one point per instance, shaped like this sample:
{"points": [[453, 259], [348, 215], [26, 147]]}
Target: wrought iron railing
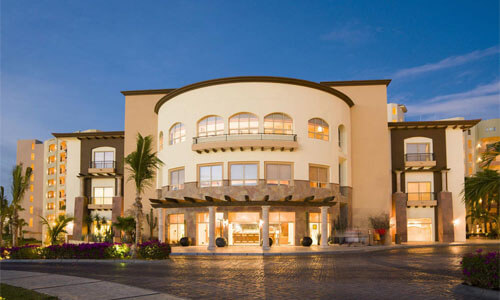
{"points": [[104, 164], [245, 136], [419, 156]]}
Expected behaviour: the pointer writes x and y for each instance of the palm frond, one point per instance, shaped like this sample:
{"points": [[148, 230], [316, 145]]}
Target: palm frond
{"points": [[491, 153]]}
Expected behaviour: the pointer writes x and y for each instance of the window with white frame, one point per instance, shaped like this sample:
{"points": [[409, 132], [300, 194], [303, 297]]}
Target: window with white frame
{"points": [[102, 195], [418, 152], [244, 174], [177, 134], [419, 191], [210, 126], [278, 123], [244, 123], [103, 159], [210, 175]]}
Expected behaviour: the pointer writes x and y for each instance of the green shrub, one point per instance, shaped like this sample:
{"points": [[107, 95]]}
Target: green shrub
{"points": [[154, 250], [481, 270]]}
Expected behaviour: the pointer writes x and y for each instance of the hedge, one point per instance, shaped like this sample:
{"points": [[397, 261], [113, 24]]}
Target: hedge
{"points": [[481, 269]]}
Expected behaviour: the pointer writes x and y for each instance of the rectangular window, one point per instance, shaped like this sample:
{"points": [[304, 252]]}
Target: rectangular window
{"points": [[32, 188], [50, 206], [318, 176], [418, 152], [62, 205], [104, 159], [62, 156], [31, 209], [419, 191], [51, 182], [210, 175], [51, 171], [62, 194], [32, 177], [52, 147], [31, 222], [32, 156], [394, 111], [244, 174], [469, 143], [62, 169], [32, 146], [32, 167], [278, 174], [177, 179], [50, 194], [31, 198], [62, 180], [470, 157], [103, 195], [175, 227], [51, 159]]}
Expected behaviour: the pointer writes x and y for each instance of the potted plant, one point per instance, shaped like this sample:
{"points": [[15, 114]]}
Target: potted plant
{"points": [[380, 226], [220, 242], [270, 242], [185, 241], [306, 241]]}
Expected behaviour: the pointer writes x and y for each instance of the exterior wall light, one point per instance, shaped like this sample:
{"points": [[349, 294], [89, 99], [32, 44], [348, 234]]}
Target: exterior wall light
{"points": [[456, 222]]}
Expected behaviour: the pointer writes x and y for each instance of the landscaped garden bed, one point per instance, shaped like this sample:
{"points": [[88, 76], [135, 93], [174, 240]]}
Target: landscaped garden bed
{"points": [[146, 250], [482, 269]]}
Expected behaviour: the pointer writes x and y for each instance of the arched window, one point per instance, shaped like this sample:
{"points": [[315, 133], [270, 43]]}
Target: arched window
{"points": [[177, 133], [211, 125], [341, 136], [278, 123], [160, 140], [318, 129], [243, 123]]}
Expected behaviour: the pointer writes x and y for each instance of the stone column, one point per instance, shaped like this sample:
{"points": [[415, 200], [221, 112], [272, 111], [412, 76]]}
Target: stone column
{"points": [[446, 231], [444, 181], [211, 228], [324, 227], [82, 187], [398, 181], [265, 227], [399, 201], [118, 192], [161, 225]]}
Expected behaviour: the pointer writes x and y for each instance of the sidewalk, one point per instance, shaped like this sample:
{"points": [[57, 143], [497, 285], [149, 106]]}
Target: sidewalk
{"points": [[75, 288]]}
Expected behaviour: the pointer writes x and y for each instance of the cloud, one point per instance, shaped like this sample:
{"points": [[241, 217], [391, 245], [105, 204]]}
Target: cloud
{"points": [[448, 62], [484, 100], [352, 33]]}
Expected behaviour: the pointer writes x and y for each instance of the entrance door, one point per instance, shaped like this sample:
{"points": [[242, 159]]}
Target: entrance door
{"points": [[420, 230], [202, 234], [281, 228], [244, 228]]}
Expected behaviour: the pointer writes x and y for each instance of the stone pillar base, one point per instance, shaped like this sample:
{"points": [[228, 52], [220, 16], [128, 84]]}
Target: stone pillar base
{"points": [[80, 213], [446, 232], [399, 200], [115, 213]]}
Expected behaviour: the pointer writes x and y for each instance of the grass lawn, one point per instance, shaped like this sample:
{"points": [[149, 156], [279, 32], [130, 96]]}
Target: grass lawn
{"points": [[9, 292]]}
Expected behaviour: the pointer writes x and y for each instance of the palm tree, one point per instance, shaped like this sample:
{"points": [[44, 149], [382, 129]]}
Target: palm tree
{"points": [[4, 212], [59, 226], [127, 225], [142, 164], [491, 153], [20, 184]]}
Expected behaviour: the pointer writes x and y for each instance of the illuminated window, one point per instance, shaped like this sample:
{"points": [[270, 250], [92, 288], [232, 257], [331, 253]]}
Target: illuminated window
{"points": [[469, 143], [210, 175], [278, 174], [52, 159], [419, 191], [62, 205], [103, 195], [278, 123], [31, 209], [470, 170], [32, 167], [177, 179], [318, 176], [51, 171], [62, 194], [50, 206], [33, 146], [50, 194], [175, 227], [62, 180], [211, 125], [104, 159], [244, 174], [31, 222], [62, 156], [243, 123], [32, 177], [177, 134], [62, 169], [32, 156], [394, 111], [50, 218], [51, 182], [31, 198], [63, 146], [52, 147], [470, 157], [32, 187], [318, 129], [160, 140]]}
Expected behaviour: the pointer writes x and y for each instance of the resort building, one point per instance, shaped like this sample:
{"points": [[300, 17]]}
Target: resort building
{"points": [[30, 154], [476, 140], [247, 158]]}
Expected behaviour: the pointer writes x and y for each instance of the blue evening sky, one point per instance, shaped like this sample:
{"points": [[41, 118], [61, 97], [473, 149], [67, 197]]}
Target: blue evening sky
{"points": [[64, 63]]}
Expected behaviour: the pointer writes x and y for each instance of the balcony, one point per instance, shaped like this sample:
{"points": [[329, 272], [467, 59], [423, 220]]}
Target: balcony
{"points": [[421, 199], [106, 167], [420, 160], [252, 142], [101, 203]]}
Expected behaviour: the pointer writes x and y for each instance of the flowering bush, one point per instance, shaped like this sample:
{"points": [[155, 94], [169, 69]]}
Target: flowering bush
{"points": [[23, 252], [482, 270], [154, 250]]}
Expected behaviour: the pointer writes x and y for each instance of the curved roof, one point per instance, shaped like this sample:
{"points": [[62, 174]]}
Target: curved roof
{"points": [[285, 80]]}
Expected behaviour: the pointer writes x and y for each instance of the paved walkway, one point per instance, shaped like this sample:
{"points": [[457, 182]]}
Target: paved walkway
{"points": [[75, 288]]}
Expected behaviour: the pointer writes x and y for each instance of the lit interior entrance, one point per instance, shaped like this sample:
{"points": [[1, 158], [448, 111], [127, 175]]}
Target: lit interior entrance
{"points": [[282, 228], [420, 230], [176, 228], [202, 227], [244, 228], [315, 227]]}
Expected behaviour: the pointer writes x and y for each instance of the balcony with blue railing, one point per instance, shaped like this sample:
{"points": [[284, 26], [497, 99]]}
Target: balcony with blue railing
{"points": [[242, 142]]}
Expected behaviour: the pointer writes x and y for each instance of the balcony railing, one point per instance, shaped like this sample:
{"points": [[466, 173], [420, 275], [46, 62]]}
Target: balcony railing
{"points": [[242, 137], [101, 200], [427, 196], [419, 157], [106, 164]]}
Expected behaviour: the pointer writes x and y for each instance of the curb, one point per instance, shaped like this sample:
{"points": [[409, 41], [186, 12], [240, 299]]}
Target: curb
{"points": [[366, 249], [476, 292]]}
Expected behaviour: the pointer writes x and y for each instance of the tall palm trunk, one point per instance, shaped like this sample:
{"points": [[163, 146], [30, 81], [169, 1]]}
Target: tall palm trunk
{"points": [[1, 233], [15, 221], [138, 219]]}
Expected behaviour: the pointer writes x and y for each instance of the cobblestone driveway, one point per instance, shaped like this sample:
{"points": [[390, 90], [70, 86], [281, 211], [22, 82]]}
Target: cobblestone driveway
{"points": [[420, 273]]}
